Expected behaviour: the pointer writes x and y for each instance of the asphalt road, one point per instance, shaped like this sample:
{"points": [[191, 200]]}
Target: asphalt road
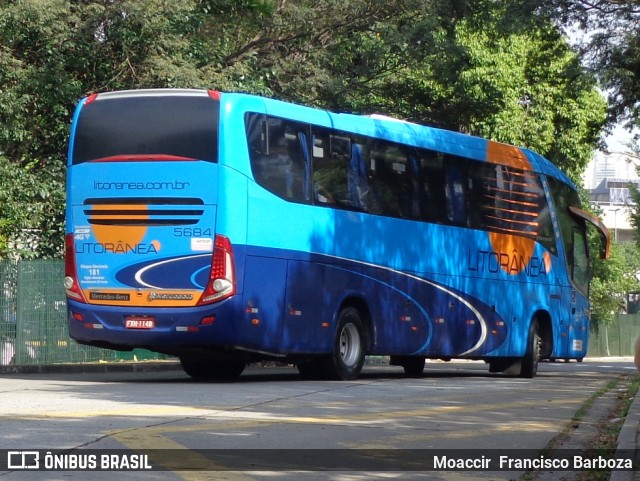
{"points": [[272, 412]]}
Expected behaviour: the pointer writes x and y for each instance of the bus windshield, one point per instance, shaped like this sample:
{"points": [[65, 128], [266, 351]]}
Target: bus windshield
{"points": [[121, 127]]}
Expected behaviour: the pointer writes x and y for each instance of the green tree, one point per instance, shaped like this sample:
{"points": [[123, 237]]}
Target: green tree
{"points": [[480, 66], [483, 67], [31, 218], [610, 47], [614, 279], [53, 52]]}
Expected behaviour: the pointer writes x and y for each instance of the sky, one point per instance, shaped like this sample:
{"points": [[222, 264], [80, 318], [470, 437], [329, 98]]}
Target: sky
{"points": [[618, 139]]}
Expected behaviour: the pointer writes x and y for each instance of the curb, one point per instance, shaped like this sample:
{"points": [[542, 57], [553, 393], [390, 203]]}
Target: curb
{"points": [[627, 439], [151, 366]]}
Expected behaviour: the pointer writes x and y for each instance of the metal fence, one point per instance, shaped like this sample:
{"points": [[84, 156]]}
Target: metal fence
{"points": [[617, 339], [33, 321]]}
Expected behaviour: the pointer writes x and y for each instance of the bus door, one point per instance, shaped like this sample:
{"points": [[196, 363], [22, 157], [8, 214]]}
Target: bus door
{"points": [[578, 324], [571, 221]]}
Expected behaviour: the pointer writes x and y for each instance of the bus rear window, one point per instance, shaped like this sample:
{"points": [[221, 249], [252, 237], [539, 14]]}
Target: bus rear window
{"points": [[130, 126]]}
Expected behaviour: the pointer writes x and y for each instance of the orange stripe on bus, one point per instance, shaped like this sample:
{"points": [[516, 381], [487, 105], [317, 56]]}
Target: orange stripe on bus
{"points": [[505, 154]]}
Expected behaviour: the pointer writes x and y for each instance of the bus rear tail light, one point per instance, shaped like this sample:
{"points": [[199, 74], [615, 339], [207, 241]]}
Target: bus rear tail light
{"points": [[222, 279], [71, 284]]}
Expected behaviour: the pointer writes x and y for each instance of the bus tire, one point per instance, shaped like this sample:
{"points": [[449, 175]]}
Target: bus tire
{"points": [[212, 370], [529, 362], [347, 358]]}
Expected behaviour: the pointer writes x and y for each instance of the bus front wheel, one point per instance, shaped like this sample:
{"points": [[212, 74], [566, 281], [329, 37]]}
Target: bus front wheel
{"points": [[347, 358]]}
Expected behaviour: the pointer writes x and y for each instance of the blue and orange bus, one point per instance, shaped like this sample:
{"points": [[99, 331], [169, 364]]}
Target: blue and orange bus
{"points": [[226, 228]]}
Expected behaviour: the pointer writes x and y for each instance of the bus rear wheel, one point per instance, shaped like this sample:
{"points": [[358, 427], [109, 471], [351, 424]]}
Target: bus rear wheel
{"points": [[347, 358], [212, 370]]}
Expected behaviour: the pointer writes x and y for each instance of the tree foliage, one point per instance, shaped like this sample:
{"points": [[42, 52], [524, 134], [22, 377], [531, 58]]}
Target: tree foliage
{"points": [[611, 46], [613, 280], [634, 212], [486, 68], [498, 69], [31, 218]]}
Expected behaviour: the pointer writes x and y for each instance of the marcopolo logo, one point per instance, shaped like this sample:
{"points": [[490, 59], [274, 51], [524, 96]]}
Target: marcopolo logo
{"points": [[157, 296]]}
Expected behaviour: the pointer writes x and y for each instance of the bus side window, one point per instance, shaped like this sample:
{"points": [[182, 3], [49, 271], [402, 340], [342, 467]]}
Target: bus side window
{"points": [[509, 200], [330, 167], [295, 173], [545, 226], [431, 185], [455, 193], [357, 182], [254, 125], [480, 174], [276, 151], [390, 178]]}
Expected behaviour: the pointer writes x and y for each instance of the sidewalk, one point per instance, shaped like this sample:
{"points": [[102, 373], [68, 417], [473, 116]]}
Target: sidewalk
{"points": [[628, 440], [80, 368]]}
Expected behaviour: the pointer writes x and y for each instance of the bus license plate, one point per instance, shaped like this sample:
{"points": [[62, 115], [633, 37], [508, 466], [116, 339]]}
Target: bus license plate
{"points": [[139, 322]]}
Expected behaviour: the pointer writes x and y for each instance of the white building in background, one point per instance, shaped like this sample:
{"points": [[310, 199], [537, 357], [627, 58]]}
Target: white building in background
{"points": [[607, 179]]}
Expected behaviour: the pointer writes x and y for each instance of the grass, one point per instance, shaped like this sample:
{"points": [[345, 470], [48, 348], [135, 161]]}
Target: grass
{"points": [[607, 427], [606, 439]]}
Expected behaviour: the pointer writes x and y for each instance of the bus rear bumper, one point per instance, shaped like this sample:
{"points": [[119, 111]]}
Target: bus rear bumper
{"points": [[163, 330]]}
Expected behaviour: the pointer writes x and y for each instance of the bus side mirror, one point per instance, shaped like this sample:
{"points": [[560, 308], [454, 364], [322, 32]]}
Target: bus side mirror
{"points": [[605, 245]]}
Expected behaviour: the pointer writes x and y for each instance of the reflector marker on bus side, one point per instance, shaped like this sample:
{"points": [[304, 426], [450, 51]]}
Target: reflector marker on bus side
{"points": [[187, 329], [89, 325]]}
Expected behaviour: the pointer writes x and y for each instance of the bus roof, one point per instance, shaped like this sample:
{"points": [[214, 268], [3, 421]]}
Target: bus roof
{"points": [[409, 133], [379, 126]]}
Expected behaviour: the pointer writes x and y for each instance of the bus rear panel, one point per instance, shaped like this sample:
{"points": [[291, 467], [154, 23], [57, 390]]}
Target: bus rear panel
{"points": [[144, 263]]}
